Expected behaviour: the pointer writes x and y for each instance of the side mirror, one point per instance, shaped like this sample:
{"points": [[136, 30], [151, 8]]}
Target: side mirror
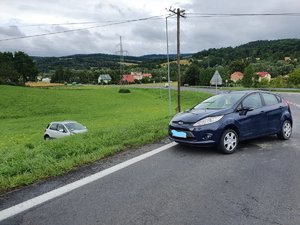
{"points": [[243, 110], [61, 130], [248, 109]]}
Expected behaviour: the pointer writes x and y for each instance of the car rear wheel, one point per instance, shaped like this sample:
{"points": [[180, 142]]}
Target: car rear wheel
{"points": [[286, 130], [47, 137], [228, 142]]}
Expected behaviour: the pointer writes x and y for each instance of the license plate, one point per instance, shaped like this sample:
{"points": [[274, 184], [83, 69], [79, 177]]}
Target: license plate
{"points": [[179, 134]]}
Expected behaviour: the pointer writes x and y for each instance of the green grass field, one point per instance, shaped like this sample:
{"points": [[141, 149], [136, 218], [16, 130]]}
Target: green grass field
{"points": [[115, 122]]}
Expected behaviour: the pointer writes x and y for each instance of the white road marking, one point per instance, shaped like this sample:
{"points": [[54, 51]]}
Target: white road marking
{"points": [[14, 210], [294, 104]]}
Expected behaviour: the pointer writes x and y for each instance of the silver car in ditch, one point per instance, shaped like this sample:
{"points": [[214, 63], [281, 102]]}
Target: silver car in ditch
{"points": [[62, 129]]}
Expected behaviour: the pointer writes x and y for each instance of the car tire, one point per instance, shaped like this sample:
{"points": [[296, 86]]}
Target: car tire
{"points": [[228, 142], [285, 131], [47, 138]]}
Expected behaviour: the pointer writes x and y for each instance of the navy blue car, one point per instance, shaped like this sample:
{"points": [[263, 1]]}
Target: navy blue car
{"points": [[226, 119]]}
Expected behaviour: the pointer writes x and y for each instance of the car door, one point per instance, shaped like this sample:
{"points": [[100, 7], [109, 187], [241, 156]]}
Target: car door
{"points": [[52, 131], [61, 131], [273, 108], [251, 122]]}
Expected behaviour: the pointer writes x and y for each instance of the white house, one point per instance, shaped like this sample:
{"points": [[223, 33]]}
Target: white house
{"points": [[104, 79], [46, 80], [263, 75]]}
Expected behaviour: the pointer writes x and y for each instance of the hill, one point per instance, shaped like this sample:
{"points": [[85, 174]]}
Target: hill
{"points": [[81, 61], [87, 61], [268, 51], [271, 51]]}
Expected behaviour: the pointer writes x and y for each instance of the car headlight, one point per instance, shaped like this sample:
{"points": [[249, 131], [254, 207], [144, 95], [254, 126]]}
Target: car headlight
{"points": [[208, 120]]}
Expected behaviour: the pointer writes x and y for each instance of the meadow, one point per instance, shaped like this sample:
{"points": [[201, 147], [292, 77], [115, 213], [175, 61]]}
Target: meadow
{"points": [[115, 121]]}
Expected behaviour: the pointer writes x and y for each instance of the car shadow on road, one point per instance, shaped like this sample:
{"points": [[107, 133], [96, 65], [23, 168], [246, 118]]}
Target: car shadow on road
{"points": [[251, 146], [182, 149], [260, 143]]}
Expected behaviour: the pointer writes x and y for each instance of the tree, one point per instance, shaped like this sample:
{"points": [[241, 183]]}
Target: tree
{"points": [[205, 76], [191, 76], [249, 76], [25, 66], [16, 68], [58, 76], [237, 65], [8, 75]]}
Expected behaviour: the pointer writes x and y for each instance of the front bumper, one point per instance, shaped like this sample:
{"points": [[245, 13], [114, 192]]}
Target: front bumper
{"points": [[207, 135]]}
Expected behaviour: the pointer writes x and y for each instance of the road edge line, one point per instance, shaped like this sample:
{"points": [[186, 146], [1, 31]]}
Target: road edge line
{"points": [[28, 204]]}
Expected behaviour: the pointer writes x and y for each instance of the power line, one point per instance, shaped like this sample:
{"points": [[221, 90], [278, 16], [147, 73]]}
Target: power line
{"points": [[85, 28], [112, 23], [52, 24], [239, 14], [62, 24]]}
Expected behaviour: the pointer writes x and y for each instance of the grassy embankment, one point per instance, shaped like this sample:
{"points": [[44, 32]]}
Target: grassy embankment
{"points": [[115, 122]]}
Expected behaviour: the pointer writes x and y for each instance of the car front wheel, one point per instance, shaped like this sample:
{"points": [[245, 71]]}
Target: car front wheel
{"points": [[286, 130], [228, 142]]}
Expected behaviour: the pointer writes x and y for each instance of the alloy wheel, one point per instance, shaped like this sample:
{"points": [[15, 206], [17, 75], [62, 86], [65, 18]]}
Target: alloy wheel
{"points": [[287, 129], [230, 141]]}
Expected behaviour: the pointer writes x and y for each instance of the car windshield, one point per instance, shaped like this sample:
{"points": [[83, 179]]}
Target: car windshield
{"points": [[75, 126], [222, 101]]}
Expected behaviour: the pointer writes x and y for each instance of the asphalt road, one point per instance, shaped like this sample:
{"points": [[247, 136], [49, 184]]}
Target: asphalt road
{"points": [[259, 184]]}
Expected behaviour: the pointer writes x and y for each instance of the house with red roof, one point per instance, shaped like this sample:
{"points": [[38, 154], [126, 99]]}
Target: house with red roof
{"points": [[148, 75], [236, 76], [130, 78], [127, 78], [263, 75]]}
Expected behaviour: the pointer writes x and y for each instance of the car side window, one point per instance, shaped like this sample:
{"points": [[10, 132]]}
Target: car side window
{"points": [[270, 99], [252, 101], [61, 128], [53, 126]]}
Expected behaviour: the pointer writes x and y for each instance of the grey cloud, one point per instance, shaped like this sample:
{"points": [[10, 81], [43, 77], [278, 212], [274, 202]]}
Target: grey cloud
{"points": [[149, 32], [11, 31], [147, 37], [118, 9], [203, 33]]}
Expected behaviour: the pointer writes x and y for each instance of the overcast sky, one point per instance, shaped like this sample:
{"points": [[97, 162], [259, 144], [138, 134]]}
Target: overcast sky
{"points": [[142, 37]]}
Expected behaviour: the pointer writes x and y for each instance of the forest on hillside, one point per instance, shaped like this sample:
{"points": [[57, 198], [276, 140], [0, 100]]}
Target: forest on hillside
{"points": [[278, 57], [270, 51]]}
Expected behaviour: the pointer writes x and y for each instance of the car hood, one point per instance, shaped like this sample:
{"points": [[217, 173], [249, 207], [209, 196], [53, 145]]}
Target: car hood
{"points": [[193, 115], [79, 131]]}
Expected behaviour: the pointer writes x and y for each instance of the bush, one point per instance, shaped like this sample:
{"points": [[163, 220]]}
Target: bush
{"points": [[279, 82], [123, 90], [294, 77]]}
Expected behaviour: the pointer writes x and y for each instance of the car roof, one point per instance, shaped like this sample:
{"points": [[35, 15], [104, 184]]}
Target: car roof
{"points": [[65, 122], [249, 92]]}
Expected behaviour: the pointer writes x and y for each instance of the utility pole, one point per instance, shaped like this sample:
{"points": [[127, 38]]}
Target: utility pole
{"points": [[179, 13], [121, 59]]}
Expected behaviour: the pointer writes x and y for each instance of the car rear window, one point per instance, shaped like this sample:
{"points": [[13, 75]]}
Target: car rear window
{"points": [[270, 99]]}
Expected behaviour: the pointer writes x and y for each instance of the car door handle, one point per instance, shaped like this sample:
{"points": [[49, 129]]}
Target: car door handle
{"points": [[262, 111]]}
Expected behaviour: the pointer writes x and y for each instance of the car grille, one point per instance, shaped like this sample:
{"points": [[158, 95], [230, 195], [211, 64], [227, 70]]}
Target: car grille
{"points": [[182, 123]]}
